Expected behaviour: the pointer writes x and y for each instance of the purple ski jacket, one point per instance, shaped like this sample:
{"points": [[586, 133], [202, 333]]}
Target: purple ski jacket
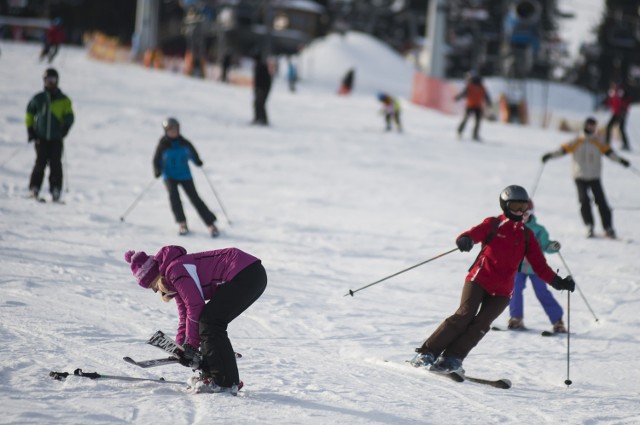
{"points": [[195, 279]]}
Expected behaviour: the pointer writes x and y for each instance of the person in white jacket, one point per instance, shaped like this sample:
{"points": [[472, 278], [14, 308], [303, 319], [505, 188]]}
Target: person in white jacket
{"points": [[587, 149]]}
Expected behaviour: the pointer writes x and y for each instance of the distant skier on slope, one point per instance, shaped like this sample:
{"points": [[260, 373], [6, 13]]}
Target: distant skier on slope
{"points": [[477, 97], [49, 118], [391, 111], [171, 160], [586, 150], [211, 289], [489, 284]]}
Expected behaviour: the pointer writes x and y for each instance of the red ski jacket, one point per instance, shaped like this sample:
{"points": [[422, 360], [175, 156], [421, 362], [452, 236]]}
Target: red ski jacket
{"points": [[496, 266]]}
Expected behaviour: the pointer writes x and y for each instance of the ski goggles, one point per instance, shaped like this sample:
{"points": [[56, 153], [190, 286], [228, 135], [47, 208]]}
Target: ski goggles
{"points": [[518, 206], [51, 80]]}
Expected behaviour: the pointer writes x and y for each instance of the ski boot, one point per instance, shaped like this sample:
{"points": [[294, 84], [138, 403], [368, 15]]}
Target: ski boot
{"points": [[423, 360]]}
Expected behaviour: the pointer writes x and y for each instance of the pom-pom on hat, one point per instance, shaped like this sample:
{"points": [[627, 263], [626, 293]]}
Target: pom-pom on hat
{"points": [[145, 269]]}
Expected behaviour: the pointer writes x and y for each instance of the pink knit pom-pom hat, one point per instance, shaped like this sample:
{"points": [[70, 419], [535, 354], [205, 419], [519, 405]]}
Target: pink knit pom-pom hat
{"points": [[145, 269]]}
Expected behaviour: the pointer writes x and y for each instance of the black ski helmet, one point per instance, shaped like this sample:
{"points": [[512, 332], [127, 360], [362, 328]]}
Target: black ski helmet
{"points": [[510, 194], [170, 123], [51, 73], [590, 121]]}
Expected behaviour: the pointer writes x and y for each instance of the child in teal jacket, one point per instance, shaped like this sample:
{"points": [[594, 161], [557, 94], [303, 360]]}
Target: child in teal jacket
{"points": [[551, 307]]}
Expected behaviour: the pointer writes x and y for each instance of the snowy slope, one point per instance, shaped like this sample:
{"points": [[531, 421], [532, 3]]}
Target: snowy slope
{"points": [[329, 202]]}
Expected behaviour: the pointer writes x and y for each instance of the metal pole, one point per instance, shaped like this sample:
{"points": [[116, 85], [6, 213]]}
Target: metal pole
{"points": [[578, 288], [401, 271], [217, 197]]}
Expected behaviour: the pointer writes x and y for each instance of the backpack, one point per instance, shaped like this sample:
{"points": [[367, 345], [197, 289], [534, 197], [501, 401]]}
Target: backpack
{"points": [[492, 233]]}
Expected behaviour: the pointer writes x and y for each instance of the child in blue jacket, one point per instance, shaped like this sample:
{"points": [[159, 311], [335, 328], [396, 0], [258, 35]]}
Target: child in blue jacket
{"points": [[551, 307], [171, 160]]}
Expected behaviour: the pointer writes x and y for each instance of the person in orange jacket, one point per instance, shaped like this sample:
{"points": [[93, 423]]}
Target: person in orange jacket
{"points": [[477, 97]]}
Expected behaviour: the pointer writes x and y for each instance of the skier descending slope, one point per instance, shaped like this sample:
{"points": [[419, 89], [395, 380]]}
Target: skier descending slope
{"points": [[489, 284]]}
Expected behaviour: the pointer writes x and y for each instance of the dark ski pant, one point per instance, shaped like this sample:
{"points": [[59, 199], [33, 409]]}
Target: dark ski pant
{"points": [[393, 117], [176, 204], [459, 333], [477, 112], [48, 152], [230, 300], [620, 121], [595, 186], [259, 108], [516, 306]]}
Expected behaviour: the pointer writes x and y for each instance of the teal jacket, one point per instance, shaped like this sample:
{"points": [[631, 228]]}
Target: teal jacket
{"points": [[50, 115], [542, 236]]}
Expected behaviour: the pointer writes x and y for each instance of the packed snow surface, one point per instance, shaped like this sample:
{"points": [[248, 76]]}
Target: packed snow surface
{"points": [[329, 202]]}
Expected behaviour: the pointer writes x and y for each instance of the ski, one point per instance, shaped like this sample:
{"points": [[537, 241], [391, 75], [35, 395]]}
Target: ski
{"points": [[152, 362], [61, 376], [503, 383], [163, 342], [542, 333], [461, 377]]}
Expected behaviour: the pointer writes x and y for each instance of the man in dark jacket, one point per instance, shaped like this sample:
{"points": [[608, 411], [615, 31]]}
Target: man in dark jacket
{"points": [[261, 88], [49, 118]]}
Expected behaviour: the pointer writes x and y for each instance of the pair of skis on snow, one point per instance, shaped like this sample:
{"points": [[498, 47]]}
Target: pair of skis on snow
{"points": [[160, 340]]}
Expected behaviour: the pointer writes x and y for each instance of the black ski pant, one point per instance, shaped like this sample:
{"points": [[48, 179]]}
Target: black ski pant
{"points": [[259, 106], [176, 204], [477, 112], [620, 121], [48, 152], [230, 300], [595, 186], [459, 333]]}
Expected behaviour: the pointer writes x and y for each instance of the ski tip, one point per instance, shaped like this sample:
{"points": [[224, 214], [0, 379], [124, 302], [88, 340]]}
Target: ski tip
{"points": [[505, 384]]}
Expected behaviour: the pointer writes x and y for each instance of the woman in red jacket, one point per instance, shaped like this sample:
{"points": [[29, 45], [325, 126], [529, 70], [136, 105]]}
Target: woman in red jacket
{"points": [[489, 284]]}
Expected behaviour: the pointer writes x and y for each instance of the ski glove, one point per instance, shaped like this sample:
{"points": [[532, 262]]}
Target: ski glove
{"points": [[190, 357], [32, 134], [554, 246], [465, 243], [567, 283], [624, 162], [546, 157], [199, 163]]}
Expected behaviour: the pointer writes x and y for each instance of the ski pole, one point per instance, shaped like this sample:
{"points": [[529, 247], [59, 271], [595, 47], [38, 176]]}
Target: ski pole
{"points": [[535, 183], [60, 376], [14, 153], [137, 200], [634, 169], [217, 197], [578, 288], [568, 380], [401, 271], [64, 171]]}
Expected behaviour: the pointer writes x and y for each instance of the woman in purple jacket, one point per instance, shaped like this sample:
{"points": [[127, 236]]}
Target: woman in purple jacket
{"points": [[211, 289]]}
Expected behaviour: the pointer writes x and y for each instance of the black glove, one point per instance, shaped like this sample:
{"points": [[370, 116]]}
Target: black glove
{"points": [[465, 243], [624, 162], [546, 157], [566, 283], [190, 357], [199, 163], [32, 134], [157, 173]]}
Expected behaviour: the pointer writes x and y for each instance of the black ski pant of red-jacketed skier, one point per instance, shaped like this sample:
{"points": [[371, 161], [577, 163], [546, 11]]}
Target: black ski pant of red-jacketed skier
{"points": [[460, 332], [230, 300]]}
